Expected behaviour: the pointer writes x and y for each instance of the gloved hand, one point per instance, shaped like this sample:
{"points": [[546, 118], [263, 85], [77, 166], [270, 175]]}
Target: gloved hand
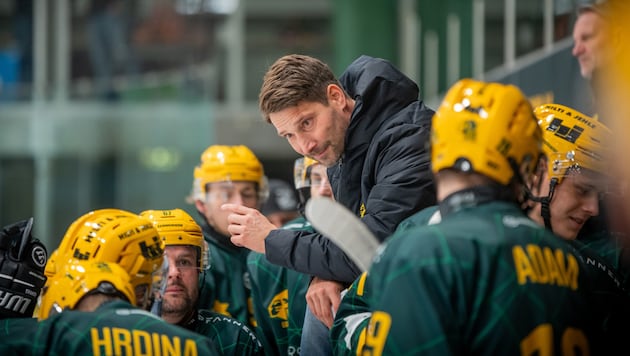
{"points": [[22, 262]]}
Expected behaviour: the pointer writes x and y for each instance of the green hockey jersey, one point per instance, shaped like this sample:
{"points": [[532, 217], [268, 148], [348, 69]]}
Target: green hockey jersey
{"points": [[231, 336], [114, 328], [225, 287], [352, 318], [279, 300], [488, 280]]}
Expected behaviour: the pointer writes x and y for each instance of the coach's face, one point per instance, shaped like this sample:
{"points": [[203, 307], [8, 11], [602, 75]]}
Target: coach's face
{"points": [[314, 129]]}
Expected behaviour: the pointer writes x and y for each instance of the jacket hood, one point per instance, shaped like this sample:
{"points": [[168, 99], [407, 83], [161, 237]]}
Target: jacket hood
{"points": [[380, 91], [377, 79]]}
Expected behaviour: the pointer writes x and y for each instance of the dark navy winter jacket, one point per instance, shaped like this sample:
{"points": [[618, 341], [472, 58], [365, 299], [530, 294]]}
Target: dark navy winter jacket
{"points": [[384, 172]]}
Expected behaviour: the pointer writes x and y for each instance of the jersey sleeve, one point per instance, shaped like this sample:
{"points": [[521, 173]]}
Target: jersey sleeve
{"points": [[349, 328]]}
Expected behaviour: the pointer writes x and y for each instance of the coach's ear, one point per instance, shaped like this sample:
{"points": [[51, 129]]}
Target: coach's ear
{"points": [[338, 99]]}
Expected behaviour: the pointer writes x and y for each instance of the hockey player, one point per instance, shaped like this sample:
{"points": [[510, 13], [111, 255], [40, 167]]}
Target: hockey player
{"points": [[227, 174], [279, 293], [187, 256], [88, 308], [486, 279], [113, 235]]}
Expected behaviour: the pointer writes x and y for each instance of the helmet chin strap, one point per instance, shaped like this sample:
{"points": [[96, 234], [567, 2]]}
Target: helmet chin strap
{"points": [[545, 211]]}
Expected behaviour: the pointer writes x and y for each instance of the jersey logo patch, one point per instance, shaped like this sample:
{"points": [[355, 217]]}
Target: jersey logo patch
{"points": [[279, 308]]}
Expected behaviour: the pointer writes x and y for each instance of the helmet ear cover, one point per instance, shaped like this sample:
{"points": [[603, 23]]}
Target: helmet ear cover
{"points": [[487, 128]]}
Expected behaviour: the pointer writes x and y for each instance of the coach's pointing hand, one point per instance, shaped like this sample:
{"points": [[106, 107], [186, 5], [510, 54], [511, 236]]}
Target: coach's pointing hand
{"points": [[248, 227]]}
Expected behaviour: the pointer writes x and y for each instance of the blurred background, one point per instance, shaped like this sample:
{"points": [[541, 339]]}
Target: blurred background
{"points": [[109, 103]]}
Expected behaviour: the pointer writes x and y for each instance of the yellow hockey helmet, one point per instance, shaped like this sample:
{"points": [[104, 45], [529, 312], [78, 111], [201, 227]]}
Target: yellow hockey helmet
{"points": [[78, 278], [301, 172], [483, 127], [228, 164], [63, 253], [572, 140], [177, 227], [112, 235]]}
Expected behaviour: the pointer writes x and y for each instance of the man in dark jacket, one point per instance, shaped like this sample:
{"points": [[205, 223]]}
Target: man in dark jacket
{"points": [[370, 129]]}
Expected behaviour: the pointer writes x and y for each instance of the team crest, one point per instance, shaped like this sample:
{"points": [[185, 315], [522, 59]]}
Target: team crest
{"points": [[279, 308]]}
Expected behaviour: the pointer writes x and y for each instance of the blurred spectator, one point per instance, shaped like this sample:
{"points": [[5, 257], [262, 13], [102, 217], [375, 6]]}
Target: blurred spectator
{"points": [[23, 33], [109, 44], [588, 35], [16, 51], [163, 26], [168, 40]]}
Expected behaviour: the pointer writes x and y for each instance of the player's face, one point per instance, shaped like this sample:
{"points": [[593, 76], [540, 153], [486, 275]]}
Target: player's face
{"points": [[588, 40], [576, 199], [182, 288], [243, 193], [320, 186], [316, 130]]}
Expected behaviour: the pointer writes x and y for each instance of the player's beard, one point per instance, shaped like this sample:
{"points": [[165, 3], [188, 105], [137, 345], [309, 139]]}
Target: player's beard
{"points": [[179, 304]]}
